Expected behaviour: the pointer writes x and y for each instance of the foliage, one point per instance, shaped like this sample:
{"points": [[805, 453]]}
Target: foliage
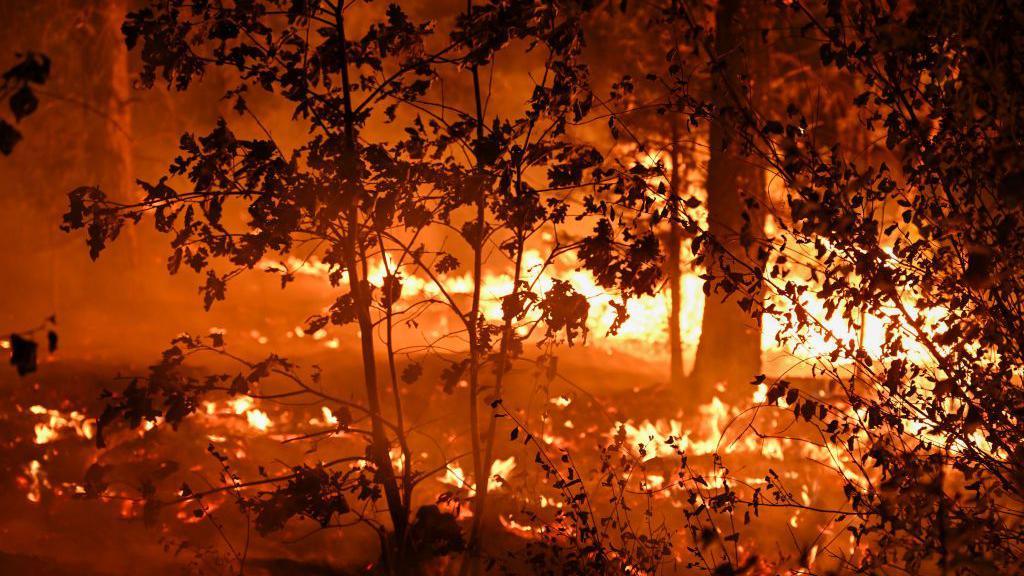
{"points": [[922, 235], [16, 90], [25, 349], [385, 161]]}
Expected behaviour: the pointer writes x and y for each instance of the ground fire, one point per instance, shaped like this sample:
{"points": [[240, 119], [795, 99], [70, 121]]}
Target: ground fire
{"points": [[512, 287]]}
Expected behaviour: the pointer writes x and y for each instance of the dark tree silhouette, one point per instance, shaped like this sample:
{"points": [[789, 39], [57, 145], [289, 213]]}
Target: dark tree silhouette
{"points": [[16, 90], [729, 352], [354, 197]]}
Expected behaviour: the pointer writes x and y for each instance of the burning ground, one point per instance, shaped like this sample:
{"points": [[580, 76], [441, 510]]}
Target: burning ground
{"points": [[600, 408]]}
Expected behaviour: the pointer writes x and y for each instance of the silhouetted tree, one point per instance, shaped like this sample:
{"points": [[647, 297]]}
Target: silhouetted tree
{"points": [[356, 194], [729, 351]]}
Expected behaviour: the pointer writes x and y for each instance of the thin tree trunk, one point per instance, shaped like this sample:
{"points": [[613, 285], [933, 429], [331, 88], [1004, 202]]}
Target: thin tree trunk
{"points": [[355, 257], [407, 484], [481, 466], [118, 103], [119, 125], [729, 352], [481, 488], [675, 239]]}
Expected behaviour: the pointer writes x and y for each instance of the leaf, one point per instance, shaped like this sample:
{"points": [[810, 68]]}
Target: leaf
{"points": [[436, 533], [791, 396], [34, 68], [313, 493], [451, 375], [565, 309], [23, 102], [9, 136], [239, 386], [412, 372], [23, 354], [447, 263]]}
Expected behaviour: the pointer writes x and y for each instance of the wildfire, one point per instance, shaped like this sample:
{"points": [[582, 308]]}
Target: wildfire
{"points": [[660, 438], [242, 406], [500, 469], [646, 325], [35, 481], [50, 430], [329, 419]]}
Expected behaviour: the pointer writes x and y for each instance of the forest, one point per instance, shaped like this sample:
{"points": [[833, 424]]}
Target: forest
{"points": [[424, 287]]}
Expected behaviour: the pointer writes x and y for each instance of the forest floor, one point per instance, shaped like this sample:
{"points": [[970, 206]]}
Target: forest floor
{"points": [[577, 411]]}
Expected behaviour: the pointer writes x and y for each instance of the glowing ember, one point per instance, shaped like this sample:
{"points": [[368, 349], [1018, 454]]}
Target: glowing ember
{"points": [[500, 469], [36, 481], [329, 419], [511, 525], [46, 432], [661, 438], [258, 419]]}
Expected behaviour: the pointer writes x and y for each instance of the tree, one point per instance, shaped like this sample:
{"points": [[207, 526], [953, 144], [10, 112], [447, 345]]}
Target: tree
{"points": [[356, 194], [924, 238], [729, 352], [640, 47], [673, 261]]}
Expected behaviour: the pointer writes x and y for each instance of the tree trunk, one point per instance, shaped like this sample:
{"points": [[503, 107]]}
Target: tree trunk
{"points": [[729, 352], [481, 461], [79, 135], [675, 239], [355, 257]]}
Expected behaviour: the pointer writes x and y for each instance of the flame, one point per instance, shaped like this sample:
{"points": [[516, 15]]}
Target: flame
{"points": [[258, 419], [242, 406], [648, 439], [500, 469], [647, 326], [36, 481], [454, 476], [329, 419], [46, 432], [545, 502], [561, 401], [646, 323], [522, 529], [655, 481], [397, 460]]}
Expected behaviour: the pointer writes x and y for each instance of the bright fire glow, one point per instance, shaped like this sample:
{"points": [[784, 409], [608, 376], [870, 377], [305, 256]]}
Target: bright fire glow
{"points": [[647, 324], [50, 430], [36, 481], [500, 470], [242, 406]]}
